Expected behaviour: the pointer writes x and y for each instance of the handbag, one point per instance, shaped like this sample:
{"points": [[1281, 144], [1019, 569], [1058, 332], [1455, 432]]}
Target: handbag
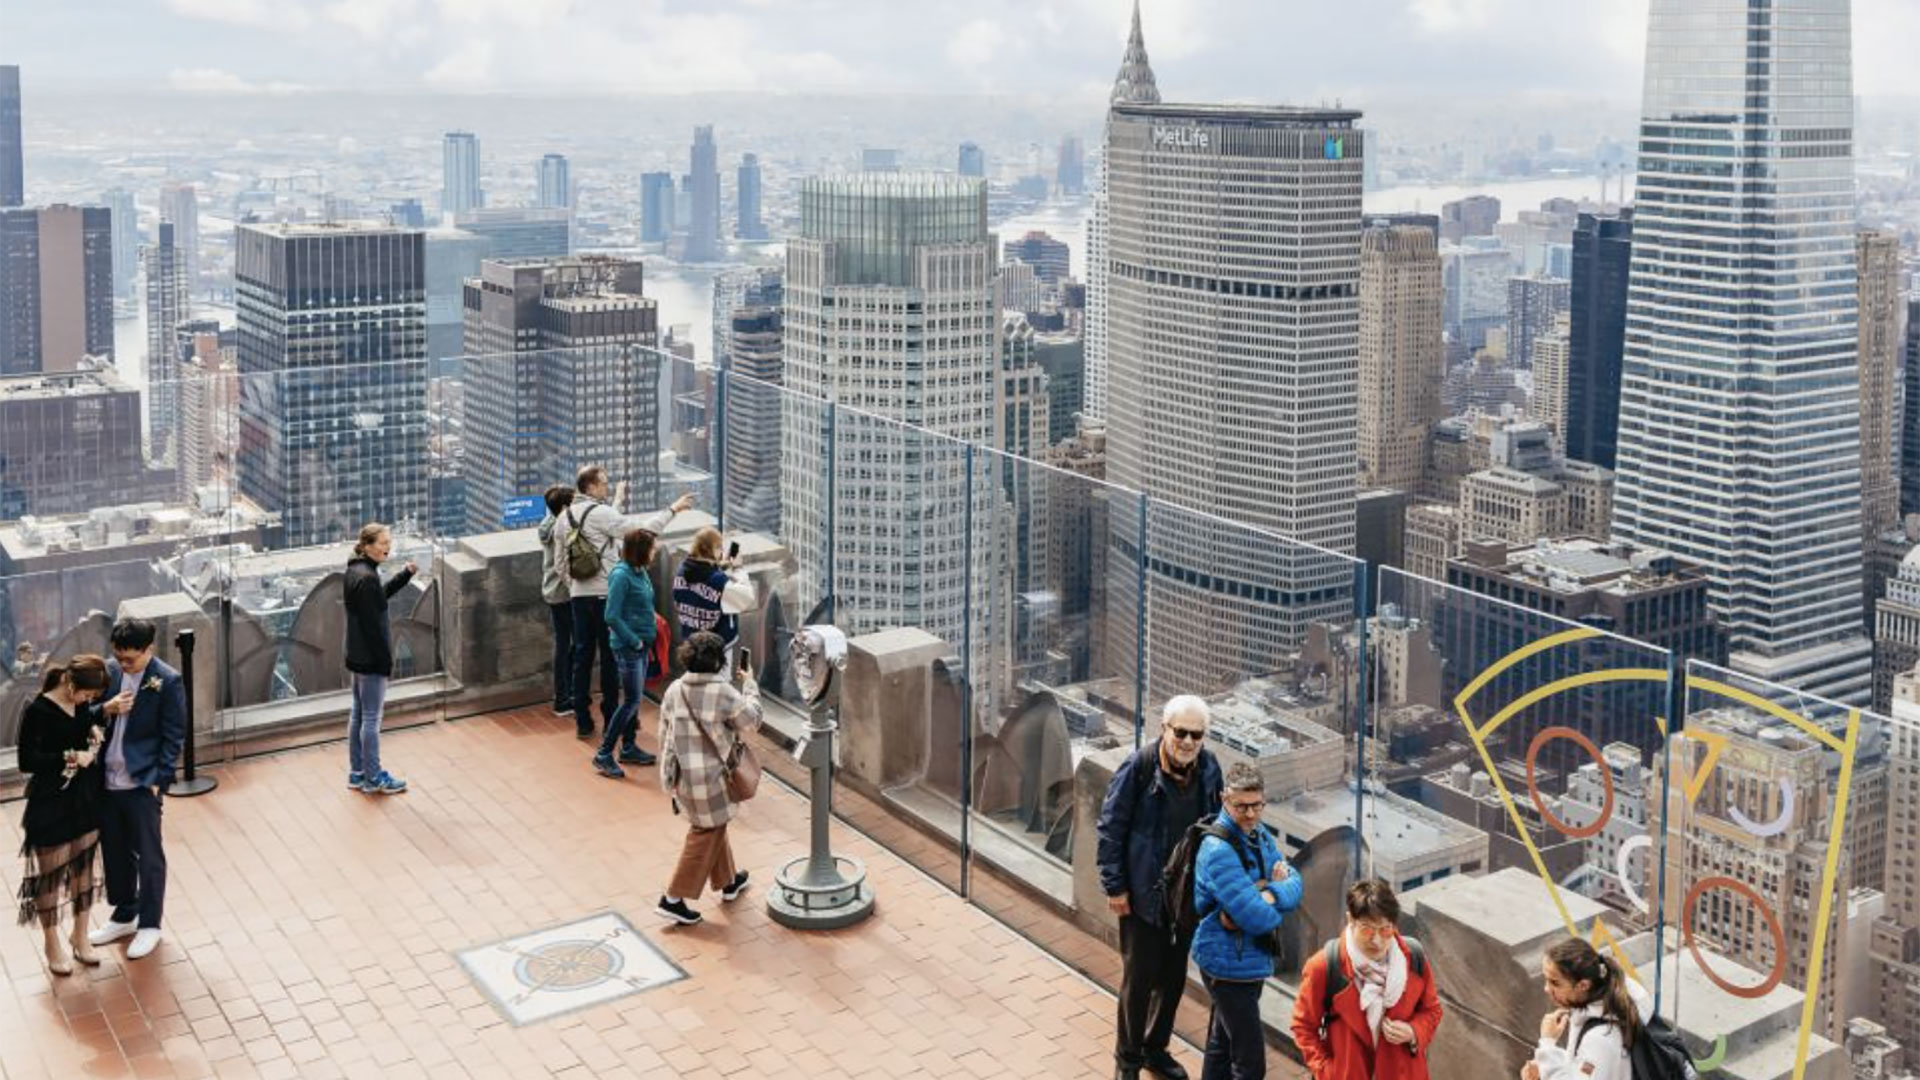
{"points": [[743, 772], [740, 768]]}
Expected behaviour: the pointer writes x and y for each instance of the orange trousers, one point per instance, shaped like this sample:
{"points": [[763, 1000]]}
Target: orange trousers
{"points": [[705, 859]]}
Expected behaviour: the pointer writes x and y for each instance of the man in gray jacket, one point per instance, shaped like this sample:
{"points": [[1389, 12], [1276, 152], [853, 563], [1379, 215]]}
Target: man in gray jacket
{"points": [[601, 525], [555, 589]]}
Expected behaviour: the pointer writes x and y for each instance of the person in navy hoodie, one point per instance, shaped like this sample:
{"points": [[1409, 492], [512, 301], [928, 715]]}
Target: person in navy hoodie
{"points": [[709, 594], [146, 725], [1242, 887]]}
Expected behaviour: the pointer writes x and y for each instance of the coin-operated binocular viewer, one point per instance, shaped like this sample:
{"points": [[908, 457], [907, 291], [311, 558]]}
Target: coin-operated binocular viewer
{"points": [[821, 891]]}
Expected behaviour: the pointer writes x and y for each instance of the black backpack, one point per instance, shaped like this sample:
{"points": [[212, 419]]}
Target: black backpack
{"points": [[1657, 1054], [1178, 912], [1337, 976]]}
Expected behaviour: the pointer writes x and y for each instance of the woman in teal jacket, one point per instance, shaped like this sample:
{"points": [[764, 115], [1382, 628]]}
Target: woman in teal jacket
{"points": [[630, 628], [1242, 886]]}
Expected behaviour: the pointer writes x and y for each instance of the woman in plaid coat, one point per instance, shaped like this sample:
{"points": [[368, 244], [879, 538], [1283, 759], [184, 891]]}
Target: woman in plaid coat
{"points": [[703, 715]]}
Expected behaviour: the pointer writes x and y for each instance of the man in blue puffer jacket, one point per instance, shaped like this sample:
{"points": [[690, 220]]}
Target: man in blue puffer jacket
{"points": [[1242, 886]]}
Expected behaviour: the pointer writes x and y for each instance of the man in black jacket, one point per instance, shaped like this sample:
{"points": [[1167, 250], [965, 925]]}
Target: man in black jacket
{"points": [[1168, 785]]}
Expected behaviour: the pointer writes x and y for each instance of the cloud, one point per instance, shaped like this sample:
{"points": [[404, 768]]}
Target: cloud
{"points": [[976, 44], [216, 81], [261, 14], [521, 14], [378, 20], [468, 67], [1447, 16], [1256, 50]]}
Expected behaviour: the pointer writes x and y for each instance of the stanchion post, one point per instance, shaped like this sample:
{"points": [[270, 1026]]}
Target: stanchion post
{"points": [[189, 783]]}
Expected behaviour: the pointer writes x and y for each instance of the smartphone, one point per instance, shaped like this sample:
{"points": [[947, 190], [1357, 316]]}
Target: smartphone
{"points": [[733, 551], [743, 659]]}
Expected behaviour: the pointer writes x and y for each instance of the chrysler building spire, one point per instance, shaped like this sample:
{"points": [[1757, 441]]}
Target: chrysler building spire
{"points": [[1134, 84]]}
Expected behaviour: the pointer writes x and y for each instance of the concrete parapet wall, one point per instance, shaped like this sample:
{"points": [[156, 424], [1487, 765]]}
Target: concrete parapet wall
{"points": [[1486, 937], [886, 708]]}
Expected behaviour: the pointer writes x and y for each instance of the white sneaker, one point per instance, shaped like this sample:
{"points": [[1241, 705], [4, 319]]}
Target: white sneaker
{"points": [[144, 942], [112, 932]]}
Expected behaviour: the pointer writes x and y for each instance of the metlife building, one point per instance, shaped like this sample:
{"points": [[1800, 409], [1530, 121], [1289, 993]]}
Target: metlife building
{"points": [[1233, 279]]}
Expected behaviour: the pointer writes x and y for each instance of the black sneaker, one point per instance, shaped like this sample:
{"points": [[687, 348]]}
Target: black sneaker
{"points": [[563, 708], [583, 732], [1161, 1064], [738, 886], [633, 755], [676, 911]]}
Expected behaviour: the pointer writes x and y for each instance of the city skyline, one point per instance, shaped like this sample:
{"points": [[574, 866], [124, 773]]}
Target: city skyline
{"points": [[1054, 412]]}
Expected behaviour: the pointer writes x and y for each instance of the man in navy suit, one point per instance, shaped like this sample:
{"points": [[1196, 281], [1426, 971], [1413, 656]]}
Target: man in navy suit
{"points": [[146, 726]]}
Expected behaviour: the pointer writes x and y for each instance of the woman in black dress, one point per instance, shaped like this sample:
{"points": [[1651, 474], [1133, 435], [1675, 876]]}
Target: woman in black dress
{"points": [[59, 752]]}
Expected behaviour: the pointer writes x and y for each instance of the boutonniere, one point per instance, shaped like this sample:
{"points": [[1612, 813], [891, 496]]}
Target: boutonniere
{"points": [[152, 683]]}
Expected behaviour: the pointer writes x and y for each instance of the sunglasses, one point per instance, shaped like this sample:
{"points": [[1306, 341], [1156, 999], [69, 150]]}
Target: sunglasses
{"points": [[1187, 734]]}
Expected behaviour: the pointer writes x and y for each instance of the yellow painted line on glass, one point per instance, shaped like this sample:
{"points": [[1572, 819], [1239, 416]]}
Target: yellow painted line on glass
{"points": [[1847, 750], [1771, 708], [1577, 634], [1571, 682]]}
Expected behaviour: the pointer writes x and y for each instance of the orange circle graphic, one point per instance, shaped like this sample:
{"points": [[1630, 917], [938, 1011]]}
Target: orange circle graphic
{"points": [[1572, 832], [1774, 976]]}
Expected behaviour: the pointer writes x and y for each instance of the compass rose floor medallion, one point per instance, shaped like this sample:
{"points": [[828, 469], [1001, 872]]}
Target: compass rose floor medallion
{"points": [[577, 965]]}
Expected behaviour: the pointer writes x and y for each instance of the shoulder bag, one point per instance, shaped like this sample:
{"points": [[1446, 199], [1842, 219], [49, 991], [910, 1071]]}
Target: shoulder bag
{"points": [[740, 766]]}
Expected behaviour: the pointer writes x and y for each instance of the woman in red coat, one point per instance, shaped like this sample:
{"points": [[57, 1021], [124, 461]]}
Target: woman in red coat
{"points": [[1384, 1006]]}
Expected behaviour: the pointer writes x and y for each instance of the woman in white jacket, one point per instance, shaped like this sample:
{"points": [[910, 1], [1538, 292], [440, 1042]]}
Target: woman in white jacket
{"points": [[1596, 1017]]}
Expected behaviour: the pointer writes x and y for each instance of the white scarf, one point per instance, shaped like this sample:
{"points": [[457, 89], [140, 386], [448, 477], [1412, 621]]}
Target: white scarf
{"points": [[1380, 982]]}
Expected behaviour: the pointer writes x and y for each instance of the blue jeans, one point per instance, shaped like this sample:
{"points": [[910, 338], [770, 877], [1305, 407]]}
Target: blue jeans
{"points": [[562, 616], [363, 724], [625, 724], [590, 640], [1236, 1045]]}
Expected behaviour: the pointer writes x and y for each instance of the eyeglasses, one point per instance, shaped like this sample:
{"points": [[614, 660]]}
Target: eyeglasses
{"points": [[1187, 734], [1247, 807]]}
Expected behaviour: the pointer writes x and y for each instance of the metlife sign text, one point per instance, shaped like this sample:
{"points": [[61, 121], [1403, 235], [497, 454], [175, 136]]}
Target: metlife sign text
{"points": [[1181, 138]]}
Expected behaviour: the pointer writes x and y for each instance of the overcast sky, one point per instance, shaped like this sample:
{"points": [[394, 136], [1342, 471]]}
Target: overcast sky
{"points": [[1253, 50]]}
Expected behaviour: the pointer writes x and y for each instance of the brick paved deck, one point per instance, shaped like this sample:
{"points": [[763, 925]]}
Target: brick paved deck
{"points": [[312, 932]]}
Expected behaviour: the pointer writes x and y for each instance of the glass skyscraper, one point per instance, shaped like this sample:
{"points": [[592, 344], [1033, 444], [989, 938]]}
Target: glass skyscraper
{"points": [[333, 375], [656, 206], [556, 182], [748, 199], [169, 303], [126, 240], [460, 173], [890, 311], [1739, 405], [703, 230], [1602, 259], [12, 171]]}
